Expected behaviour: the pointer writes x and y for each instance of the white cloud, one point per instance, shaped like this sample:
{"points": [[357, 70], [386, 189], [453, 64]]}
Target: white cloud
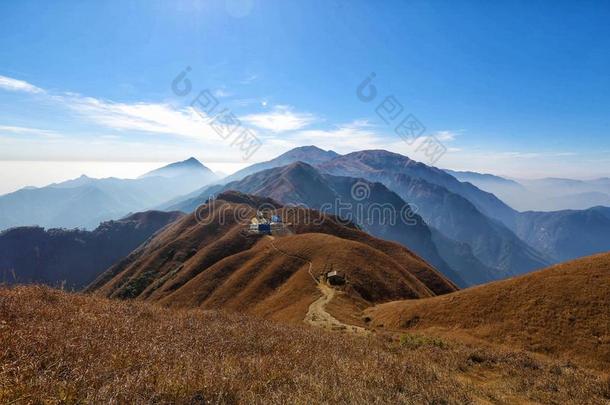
{"points": [[280, 119], [146, 117], [11, 84], [445, 136]]}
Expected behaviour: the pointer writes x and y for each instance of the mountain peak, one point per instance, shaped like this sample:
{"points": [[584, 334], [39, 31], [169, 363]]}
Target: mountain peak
{"points": [[191, 162], [309, 153], [188, 167]]}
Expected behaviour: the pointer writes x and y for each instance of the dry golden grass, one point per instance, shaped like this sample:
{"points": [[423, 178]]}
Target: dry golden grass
{"points": [[60, 348], [562, 311]]}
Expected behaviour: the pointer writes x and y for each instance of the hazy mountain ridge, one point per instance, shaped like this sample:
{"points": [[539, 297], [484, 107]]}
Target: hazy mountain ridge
{"points": [[547, 194], [84, 202]]}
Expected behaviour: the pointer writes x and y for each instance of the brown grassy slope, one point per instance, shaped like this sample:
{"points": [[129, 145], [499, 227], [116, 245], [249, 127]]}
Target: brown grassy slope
{"points": [[74, 348], [218, 265], [418, 267], [266, 282], [562, 310]]}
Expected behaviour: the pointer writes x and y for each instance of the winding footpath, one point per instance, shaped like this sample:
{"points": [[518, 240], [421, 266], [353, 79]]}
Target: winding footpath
{"points": [[317, 314]]}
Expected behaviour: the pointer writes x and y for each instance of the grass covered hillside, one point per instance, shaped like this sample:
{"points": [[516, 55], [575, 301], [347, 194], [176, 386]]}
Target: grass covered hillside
{"points": [[60, 348], [561, 311]]}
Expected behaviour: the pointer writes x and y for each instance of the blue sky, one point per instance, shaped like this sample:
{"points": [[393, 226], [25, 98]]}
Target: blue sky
{"points": [[514, 88]]}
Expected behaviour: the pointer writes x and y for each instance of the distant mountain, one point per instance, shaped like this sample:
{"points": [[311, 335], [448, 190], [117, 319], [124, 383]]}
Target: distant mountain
{"points": [[560, 234], [568, 234], [187, 168], [85, 202], [308, 154], [505, 189], [449, 210], [560, 194], [550, 194], [302, 184], [584, 200], [73, 258], [217, 264], [377, 163], [474, 177]]}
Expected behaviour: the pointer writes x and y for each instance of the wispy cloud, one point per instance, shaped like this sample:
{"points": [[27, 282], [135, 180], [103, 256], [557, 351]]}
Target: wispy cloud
{"points": [[249, 78], [10, 84], [222, 93], [30, 131], [359, 134], [280, 119], [158, 118], [446, 136]]}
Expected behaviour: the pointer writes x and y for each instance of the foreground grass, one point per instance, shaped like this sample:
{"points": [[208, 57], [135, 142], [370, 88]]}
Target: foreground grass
{"points": [[72, 348]]}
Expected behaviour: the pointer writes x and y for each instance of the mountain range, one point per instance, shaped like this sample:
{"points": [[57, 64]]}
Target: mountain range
{"points": [[383, 213], [476, 246], [468, 234]]}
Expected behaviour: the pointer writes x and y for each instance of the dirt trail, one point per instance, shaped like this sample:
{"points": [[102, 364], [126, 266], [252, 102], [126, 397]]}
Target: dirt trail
{"points": [[317, 314]]}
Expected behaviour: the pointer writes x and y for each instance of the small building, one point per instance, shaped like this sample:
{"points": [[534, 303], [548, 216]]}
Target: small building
{"points": [[261, 225], [261, 228], [334, 278], [264, 229]]}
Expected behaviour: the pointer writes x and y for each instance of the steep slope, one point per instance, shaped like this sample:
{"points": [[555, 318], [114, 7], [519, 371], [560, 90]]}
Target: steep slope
{"points": [[568, 234], [378, 210], [461, 258], [85, 202], [563, 310], [207, 259], [73, 257]]}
